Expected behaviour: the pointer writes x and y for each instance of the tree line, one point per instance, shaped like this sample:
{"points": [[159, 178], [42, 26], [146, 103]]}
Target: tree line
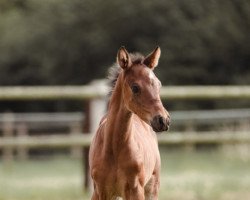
{"points": [[62, 42]]}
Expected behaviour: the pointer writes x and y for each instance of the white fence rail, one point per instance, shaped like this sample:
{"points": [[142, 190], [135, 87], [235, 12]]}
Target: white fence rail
{"points": [[83, 140], [211, 116], [100, 91], [178, 117]]}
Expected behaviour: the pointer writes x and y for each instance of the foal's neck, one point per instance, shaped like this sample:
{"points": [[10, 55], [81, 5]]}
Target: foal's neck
{"points": [[118, 127]]}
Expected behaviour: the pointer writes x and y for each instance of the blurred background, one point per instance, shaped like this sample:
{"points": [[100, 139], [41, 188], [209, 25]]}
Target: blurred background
{"points": [[206, 154]]}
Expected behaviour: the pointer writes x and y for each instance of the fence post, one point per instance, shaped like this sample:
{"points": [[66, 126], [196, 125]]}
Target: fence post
{"points": [[75, 129], [95, 110], [22, 131], [8, 131]]}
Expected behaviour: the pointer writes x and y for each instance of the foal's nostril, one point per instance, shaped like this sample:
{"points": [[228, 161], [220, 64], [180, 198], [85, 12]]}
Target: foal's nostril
{"points": [[161, 121]]}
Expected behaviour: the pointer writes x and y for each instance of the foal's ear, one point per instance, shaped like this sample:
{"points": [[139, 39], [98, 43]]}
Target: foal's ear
{"points": [[152, 59], [123, 58]]}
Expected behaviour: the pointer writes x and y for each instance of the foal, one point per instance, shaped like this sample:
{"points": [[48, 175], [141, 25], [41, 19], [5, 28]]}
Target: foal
{"points": [[124, 155]]}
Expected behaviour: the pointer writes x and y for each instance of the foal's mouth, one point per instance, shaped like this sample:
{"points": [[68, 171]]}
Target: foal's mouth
{"points": [[159, 130]]}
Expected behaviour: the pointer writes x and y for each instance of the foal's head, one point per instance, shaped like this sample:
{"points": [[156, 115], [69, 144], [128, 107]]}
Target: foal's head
{"points": [[141, 88]]}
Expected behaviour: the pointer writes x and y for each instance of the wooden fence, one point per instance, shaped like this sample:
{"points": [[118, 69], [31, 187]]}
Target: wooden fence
{"points": [[96, 105], [21, 131]]}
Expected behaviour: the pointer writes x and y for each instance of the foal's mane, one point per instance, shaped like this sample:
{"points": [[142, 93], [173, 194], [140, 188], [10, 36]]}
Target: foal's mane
{"points": [[115, 70]]}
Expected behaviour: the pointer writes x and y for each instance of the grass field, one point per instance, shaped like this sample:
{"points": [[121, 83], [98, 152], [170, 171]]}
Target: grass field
{"points": [[185, 175]]}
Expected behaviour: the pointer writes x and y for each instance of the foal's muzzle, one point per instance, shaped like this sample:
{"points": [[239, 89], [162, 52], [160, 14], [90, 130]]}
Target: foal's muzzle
{"points": [[160, 123]]}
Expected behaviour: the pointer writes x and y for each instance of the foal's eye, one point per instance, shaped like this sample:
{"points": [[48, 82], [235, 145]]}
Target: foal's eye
{"points": [[135, 89]]}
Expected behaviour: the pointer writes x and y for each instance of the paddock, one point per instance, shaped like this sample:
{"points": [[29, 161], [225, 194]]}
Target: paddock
{"points": [[220, 173], [185, 175]]}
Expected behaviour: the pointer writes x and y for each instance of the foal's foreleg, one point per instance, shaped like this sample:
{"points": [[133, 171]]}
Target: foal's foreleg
{"points": [[152, 188], [136, 193], [100, 195], [95, 196]]}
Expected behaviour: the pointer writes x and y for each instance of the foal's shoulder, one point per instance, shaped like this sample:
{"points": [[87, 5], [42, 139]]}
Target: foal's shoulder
{"points": [[103, 120], [98, 136]]}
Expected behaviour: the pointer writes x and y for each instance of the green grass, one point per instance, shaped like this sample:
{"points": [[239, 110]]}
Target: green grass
{"points": [[59, 178], [187, 176], [204, 176]]}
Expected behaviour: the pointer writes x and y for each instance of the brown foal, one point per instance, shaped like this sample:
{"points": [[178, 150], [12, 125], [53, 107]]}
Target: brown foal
{"points": [[124, 156]]}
